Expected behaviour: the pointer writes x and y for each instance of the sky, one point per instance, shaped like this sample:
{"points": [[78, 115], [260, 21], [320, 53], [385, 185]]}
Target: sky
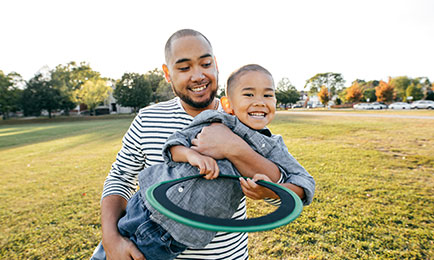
{"points": [[366, 39]]}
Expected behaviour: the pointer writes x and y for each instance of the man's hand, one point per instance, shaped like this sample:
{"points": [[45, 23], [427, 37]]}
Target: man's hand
{"points": [[121, 248], [214, 141], [116, 246], [256, 191]]}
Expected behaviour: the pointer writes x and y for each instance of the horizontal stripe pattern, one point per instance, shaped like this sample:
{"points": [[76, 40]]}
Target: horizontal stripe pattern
{"points": [[142, 147]]}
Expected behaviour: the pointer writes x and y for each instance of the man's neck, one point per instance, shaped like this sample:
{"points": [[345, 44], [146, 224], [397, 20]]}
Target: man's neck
{"points": [[192, 111]]}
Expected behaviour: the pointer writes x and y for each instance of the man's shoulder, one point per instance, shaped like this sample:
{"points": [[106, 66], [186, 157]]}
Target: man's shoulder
{"points": [[169, 105]]}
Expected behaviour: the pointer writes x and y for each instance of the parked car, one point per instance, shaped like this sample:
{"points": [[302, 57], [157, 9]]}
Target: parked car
{"points": [[363, 106], [399, 105], [426, 104], [378, 105]]}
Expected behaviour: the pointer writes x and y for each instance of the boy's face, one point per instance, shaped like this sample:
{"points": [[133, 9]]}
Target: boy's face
{"points": [[192, 71], [252, 99]]}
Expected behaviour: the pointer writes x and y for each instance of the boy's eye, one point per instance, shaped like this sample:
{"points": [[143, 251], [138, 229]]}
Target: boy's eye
{"points": [[248, 94], [206, 65], [268, 95]]}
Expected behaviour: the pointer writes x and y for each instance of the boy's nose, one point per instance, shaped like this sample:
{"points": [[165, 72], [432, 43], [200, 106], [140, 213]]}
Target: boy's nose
{"points": [[259, 102]]}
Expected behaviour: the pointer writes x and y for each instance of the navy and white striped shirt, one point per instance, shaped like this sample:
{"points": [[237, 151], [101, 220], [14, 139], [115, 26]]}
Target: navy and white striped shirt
{"points": [[142, 147]]}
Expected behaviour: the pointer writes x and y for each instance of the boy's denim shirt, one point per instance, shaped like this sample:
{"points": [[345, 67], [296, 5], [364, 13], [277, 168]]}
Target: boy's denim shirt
{"points": [[217, 198]]}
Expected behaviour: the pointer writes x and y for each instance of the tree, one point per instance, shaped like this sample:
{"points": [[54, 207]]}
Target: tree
{"points": [[69, 78], [369, 95], [133, 90], [154, 77], [164, 92], [324, 95], [400, 84], [9, 93], [92, 93], [414, 91], [39, 94], [286, 93], [385, 91], [354, 93], [332, 81]]}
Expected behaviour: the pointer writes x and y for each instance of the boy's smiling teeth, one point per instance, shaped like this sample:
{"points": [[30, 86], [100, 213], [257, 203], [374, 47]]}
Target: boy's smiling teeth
{"points": [[261, 114]]}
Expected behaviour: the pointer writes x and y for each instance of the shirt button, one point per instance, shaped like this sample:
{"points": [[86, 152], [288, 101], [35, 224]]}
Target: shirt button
{"points": [[263, 145], [180, 189]]}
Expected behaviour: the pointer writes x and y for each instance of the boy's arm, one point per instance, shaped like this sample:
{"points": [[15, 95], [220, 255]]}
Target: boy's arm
{"points": [[219, 142], [257, 192], [206, 164], [294, 176]]}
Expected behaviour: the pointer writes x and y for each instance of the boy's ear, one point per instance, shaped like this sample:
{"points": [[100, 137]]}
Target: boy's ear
{"points": [[166, 73], [226, 106]]}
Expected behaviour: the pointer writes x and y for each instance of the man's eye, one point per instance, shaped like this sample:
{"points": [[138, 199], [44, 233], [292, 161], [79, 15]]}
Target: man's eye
{"points": [[248, 94], [206, 65], [183, 68], [269, 95]]}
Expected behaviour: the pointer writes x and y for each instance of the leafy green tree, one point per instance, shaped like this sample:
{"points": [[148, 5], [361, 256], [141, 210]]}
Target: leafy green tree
{"points": [[286, 93], [414, 91], [400, 84], [92, 93], [164, 92], [332, 81], [133, 90], [155, 77], [38, 95], [9, 94], [69, 78], [369, 95]]}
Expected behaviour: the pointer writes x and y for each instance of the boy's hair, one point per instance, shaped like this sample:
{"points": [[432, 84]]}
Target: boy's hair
{"points": [[180, 34], [241, 71]]}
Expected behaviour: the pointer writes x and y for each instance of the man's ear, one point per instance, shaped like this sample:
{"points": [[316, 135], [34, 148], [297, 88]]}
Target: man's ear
{"points": [[166, 73], [226, 106], [216, 65]]}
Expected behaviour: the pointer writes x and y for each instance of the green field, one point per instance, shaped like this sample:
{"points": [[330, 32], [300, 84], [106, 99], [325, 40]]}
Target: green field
{"points": [[374, 196]]}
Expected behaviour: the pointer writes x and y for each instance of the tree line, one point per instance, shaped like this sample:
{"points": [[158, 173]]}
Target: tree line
{"points": [[331, 85], [66, 86]]}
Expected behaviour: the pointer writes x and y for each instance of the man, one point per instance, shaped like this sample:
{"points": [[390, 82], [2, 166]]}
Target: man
{"points": [[192, 71]]}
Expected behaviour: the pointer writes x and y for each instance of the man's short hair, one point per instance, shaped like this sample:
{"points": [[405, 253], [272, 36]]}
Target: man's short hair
{"points": [[241, 71], [180, 34]]}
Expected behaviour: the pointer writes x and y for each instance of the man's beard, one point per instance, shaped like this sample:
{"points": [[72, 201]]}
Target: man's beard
{"points": [[194, 104]]}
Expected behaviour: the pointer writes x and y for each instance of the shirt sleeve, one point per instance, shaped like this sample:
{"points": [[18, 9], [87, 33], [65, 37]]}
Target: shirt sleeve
{"points": [[122, 179], [181, 137], [291, 170]]}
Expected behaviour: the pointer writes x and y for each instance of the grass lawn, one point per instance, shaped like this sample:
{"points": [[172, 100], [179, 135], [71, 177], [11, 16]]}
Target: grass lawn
{"points": [[374, 196]]}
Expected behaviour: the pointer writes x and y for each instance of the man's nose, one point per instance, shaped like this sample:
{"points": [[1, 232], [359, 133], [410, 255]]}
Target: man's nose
{"points": [[197, 75]]}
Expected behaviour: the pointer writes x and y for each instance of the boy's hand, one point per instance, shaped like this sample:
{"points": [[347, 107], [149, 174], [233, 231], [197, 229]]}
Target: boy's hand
{"points": [[256, 191], [206, 165]]}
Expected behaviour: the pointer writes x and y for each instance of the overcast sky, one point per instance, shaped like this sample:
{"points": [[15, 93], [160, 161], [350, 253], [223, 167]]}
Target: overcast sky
{"points": [[367, 39]]}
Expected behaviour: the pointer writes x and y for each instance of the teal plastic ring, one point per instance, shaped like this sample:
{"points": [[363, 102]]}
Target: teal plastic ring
{"points": [[290, 208]]}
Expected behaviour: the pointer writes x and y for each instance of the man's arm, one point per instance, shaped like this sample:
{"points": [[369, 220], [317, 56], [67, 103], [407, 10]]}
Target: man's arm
{"points": [[219, 142], [115, 245], [119, 186]]}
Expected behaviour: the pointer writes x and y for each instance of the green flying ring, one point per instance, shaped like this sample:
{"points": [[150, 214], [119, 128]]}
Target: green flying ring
{"points": [[289, 209]]}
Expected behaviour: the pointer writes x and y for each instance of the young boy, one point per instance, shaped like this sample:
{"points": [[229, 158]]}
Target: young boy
{"points": [[251, 98]]}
